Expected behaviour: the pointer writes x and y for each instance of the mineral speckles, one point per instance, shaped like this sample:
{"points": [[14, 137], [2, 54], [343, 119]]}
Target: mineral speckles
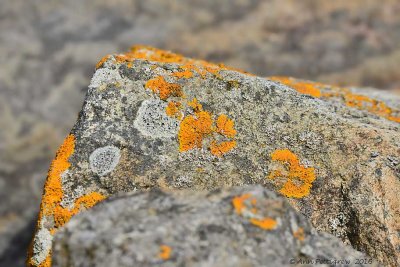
{"points": [[104, 76], [152, 120], [298, 178], [104, 160], [41, 246]]}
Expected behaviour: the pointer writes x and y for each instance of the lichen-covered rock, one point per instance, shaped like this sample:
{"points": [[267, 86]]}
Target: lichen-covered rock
{"points": [[152, 118], [248, 226]]}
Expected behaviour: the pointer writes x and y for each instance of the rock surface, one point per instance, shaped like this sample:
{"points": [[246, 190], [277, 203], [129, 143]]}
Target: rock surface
{"points": [[48, 49], [152, 118], [248, 226]]}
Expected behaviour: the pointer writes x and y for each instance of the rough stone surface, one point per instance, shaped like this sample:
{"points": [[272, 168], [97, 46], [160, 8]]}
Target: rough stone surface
{"points": [[189, 228], [48, 49], [333, 152]]}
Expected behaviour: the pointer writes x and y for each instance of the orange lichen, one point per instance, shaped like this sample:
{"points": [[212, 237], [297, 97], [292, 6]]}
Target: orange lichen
{"points": [[303, 87], [165, 252], [195, 105], [101, 62], [173, 110], [163, 88], [265, 223], [218, 149], [53, 194], [183, 74], [350, 99], [298, 178], [225, 126], [299, 234], [193, 129], [238, 202]]}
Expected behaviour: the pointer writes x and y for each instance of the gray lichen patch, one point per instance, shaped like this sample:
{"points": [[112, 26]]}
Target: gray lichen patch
{"points": [[104, 76], [152, 121], [41, 246], [104, 160]]}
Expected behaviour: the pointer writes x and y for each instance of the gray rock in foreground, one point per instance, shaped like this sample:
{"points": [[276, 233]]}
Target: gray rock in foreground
{"points": [[221, 228]]}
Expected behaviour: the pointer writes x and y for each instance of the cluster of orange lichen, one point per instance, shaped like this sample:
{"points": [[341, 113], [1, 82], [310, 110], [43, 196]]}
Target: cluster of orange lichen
{"points": [[298, 178], [140, 52], [53, 194], [173, 110], [350, 99], [240, 205], [165, 252], [194, 128], [163, 88]]}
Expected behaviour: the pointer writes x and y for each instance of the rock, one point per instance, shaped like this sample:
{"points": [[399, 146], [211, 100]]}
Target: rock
{"points": [[50, 50], [152, 118], [248, 226]]}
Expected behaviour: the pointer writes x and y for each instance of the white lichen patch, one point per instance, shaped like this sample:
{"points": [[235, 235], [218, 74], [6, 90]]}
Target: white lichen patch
{"points": [[41, 246], [104, 160], [152, 121], [104, 76]]}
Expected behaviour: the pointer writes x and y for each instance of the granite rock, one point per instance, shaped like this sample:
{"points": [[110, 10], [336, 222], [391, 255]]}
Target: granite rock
{"points": [[152, 118], [248, 226]]}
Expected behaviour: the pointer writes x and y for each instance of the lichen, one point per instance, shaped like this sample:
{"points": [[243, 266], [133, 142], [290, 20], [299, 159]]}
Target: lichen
{"points": [[298, 178], [344, 95], [299, 234], [225, 126], [165, 252], [163, 88], [219, 149], [250, 211], [104, 160], [173, 110], [51, 209]]}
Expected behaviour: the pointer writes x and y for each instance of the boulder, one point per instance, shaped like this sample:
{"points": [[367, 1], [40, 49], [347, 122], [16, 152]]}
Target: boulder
{"points": [[248, 226], [152, 118]]}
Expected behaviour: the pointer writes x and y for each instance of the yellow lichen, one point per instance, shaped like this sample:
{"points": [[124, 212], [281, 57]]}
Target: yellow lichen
{"points": [[165, 252], [173, 110], [195, 105], [265, 223], [298, 178], [163, 88]]}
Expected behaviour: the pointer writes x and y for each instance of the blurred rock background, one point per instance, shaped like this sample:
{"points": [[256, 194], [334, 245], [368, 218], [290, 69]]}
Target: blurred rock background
{"points": [[48, 50]]}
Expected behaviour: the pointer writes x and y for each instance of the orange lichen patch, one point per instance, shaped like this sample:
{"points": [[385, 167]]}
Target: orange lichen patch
{"points": [[195, 105], [265, 223], [165, 252], [238, 202], [163, 88], [53, 192], [183, 74], [298, 178], [225, 126], [303, 87], [173, 110], [101, 62], [218, 149], [193, 129], [299, 234], [350, 99]]}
